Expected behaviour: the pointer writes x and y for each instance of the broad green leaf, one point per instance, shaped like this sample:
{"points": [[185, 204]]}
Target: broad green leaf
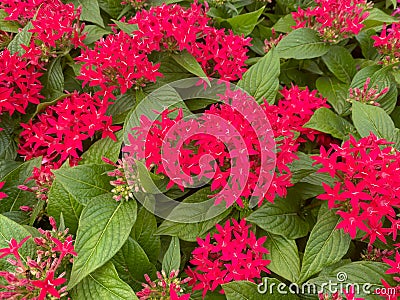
{"points": [[172, 258], [262, 79], [132, 263], [61, 201], [90, 11], [121, 107], [365, 276], [8, 26], [10, 229], [22, 38], [245, 23], [20, 217], [327, 121], [284, 24], [15, 177], [190, 231], [368, 118], [325, 246], [336, 93], [85, 182], [125, 27], [143, 232], [104, 227], [187, 61], [94, 33], [8, 146], [282, 217], [377, 17], [284, 257], [53, 80], [302, 43], [367, 44], [112, 7], [268, 289], [340, 62], [103, 283], [103, 148]]}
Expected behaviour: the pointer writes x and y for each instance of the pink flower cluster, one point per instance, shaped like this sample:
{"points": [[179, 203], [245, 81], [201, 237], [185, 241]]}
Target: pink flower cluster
{"points": [[367, 186], [233, 253], [19, 83], [59, 131], [334, 20], [388, 43], [35, 278], [121, 60], [21, 11], [165, 287]]}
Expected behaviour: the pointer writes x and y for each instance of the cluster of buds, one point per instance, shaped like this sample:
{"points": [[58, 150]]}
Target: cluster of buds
{"points": [[35, 278], [5, 39], [164, 287], [376, 254], [349, 295], [367, 95], [272, 41], [127, 180]]}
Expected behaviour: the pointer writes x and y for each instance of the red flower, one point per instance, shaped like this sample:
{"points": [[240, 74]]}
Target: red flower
{"points": [[2, 195], [388, 43], [174, 295], [48, 285], [234, 253], [65, 248], [13, 247]]}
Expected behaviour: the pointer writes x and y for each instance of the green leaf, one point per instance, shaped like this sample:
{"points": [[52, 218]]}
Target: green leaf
{"points": [[10, 229], [262, 79], [327, 121], [336, 93], [125, 27], [368, 118], [340, 62], [285, 24], [284, 256], [8, 146], [187, 61], [367, 44], [245, 23], [94, 33], [103, 148], [172, 258], [190, 231], [8, 26], [13, 179], [104, 283], [22, 38], [104, 227], [132, 263], [90, 11], [326, 245], [61, 201], [85, 182], [53, 80], [364, 275], [302, 43], [377, 17], [112, 7], [143, 232], [282, 217]]}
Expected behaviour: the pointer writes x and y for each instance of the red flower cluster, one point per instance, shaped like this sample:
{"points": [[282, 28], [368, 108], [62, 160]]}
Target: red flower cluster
{"points": [[21, 11], [234, 253], [121, 60], [56, 29], [35, 278], [334, 20], [59, 131], [366, 188], [165, 286], [395, 271], [388, 43], [19, 83]]}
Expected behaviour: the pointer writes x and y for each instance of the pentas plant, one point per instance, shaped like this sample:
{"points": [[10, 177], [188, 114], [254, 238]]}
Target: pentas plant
{"points": [[221, 150], [41, 275]]}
